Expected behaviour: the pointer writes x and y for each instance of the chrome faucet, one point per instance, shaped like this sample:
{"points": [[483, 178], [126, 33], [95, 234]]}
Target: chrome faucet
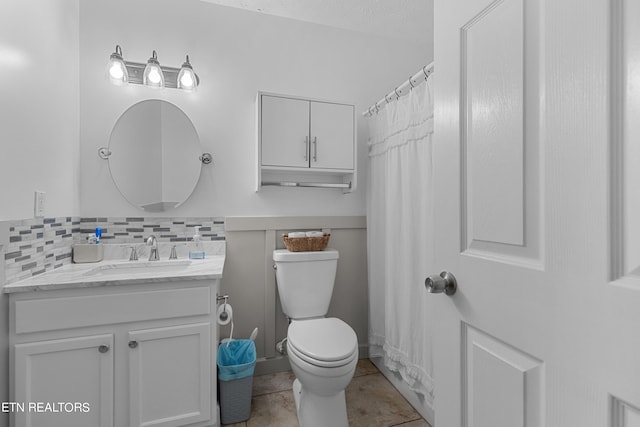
{"points": [[151, 241]]}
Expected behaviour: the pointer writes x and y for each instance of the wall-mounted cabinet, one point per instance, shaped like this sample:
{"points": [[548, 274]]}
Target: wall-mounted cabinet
{"points": [[304, 142]]}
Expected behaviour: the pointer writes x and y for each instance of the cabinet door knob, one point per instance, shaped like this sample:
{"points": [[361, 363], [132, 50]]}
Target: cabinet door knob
{"points": [[133, 344], [103, 348]]}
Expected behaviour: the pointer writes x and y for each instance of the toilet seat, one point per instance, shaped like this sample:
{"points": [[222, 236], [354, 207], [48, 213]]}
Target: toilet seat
{"points": [[326, 342]]}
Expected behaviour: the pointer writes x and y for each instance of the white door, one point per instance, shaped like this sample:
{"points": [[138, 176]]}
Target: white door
{"points": [[170, 376], [332, 136], [76, 371], [537, 213], [284, 132]]}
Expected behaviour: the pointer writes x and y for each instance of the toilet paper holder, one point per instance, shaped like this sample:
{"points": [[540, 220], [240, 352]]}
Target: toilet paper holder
{"points": [[219, 299]]}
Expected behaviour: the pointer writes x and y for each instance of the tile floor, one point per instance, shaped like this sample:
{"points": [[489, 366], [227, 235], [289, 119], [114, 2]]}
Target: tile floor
{"points": [[371, 401]]}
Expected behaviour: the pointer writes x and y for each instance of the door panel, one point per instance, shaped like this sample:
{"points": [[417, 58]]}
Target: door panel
{"points": [[499, 383], [74, 370], [493, 138], [285, 132], [626, 134], [170, 376], [332, 135], [624, 414], [622, 296], [500, 167]]}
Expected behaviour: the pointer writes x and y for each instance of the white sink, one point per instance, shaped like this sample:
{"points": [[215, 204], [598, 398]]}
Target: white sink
{"points": [[139, 267]]}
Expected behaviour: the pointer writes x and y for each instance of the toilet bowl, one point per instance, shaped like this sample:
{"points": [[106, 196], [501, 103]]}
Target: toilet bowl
{"points": [[323, 354]]}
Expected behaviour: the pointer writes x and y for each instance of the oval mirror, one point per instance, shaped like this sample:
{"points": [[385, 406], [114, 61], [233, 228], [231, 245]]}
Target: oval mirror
{"points": [[154, 155]]}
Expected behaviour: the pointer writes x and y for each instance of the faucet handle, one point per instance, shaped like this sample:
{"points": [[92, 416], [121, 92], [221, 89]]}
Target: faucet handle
{"points": [[173, 254], [152, 241], [134, 254]]}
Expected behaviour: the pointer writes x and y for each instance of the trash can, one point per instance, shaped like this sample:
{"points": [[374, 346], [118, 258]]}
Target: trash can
{"points": [[236, 363]]}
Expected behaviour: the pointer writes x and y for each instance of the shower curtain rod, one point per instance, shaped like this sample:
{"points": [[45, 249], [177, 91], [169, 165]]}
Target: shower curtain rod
{"points": [[403, 89]]}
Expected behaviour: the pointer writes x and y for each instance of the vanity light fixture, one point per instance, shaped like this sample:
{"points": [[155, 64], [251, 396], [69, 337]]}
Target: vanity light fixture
{"points": [[151, 73]]}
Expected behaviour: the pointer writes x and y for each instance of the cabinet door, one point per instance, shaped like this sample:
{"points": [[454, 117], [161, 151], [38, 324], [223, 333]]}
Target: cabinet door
{"points": [[285, 132], [332, 136], [170, 375], [76, 371]]}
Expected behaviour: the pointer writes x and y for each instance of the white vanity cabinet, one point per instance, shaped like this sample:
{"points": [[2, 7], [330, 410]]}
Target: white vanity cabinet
{"points": [[305, 140], [134, 355]]}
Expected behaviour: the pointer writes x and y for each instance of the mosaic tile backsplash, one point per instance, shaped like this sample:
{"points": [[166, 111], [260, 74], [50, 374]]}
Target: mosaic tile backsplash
{"points": [[38, 245], [43, 244]]}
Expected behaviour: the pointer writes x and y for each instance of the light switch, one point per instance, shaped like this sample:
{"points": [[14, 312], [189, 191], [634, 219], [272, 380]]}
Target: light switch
{"points": [[38, 205]]}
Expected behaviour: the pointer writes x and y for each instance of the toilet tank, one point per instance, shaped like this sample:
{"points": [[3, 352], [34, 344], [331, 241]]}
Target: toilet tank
{"points": [[305, 281]]}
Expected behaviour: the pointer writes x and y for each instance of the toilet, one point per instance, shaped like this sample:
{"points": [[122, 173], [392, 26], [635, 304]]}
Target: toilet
{"points": [[323, 351]]}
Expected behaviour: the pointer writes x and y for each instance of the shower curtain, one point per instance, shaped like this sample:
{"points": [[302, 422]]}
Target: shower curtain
{"points": [[400, 237]]}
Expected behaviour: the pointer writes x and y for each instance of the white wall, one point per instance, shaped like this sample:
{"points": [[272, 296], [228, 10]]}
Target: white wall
{"points": [[236, 53], [39, 98]]}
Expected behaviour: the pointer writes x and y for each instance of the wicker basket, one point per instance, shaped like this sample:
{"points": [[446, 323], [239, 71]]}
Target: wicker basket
{"points": [[306, 244]]}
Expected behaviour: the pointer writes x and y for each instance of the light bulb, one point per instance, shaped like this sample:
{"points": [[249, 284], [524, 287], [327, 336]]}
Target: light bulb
{"points": [[154, 76], [186, 80], [116, 71]]}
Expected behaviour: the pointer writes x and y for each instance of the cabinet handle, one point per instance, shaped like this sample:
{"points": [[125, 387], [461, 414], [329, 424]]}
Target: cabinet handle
{"points": [[133, 344], [315, 149], [103, 348], [306, 148]]}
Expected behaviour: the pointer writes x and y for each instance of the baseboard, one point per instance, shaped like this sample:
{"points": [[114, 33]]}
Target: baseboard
{"points": [[272, 365], [416, 400]]}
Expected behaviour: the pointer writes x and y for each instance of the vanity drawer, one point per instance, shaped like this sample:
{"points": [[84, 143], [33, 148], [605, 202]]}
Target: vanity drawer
{"points": [[48, 314]]}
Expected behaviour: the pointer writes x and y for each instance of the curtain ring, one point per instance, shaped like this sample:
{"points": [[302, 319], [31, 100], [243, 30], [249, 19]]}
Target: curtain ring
{"points": [[397, 94], [387, 99], [411, 83], [426, 76], [377, 108]]}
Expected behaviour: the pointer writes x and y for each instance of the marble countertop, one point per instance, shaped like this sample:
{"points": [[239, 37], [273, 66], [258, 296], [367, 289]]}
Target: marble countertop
{"points": [[114, 272]]}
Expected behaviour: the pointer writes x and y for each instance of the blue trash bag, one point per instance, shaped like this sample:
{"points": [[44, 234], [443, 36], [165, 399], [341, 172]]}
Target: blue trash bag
{"points": [[236, 360]]}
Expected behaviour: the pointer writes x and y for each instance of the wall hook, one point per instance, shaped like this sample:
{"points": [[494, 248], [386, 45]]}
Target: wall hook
{"points": [[206, 158], [104, 153]]}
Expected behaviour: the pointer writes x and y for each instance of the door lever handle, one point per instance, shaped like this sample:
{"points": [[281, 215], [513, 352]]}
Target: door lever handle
{"points": [[445, 282]]}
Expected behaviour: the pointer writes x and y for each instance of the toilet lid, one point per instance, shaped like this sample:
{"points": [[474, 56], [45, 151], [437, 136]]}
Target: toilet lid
{"points": [[327, 339]]}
